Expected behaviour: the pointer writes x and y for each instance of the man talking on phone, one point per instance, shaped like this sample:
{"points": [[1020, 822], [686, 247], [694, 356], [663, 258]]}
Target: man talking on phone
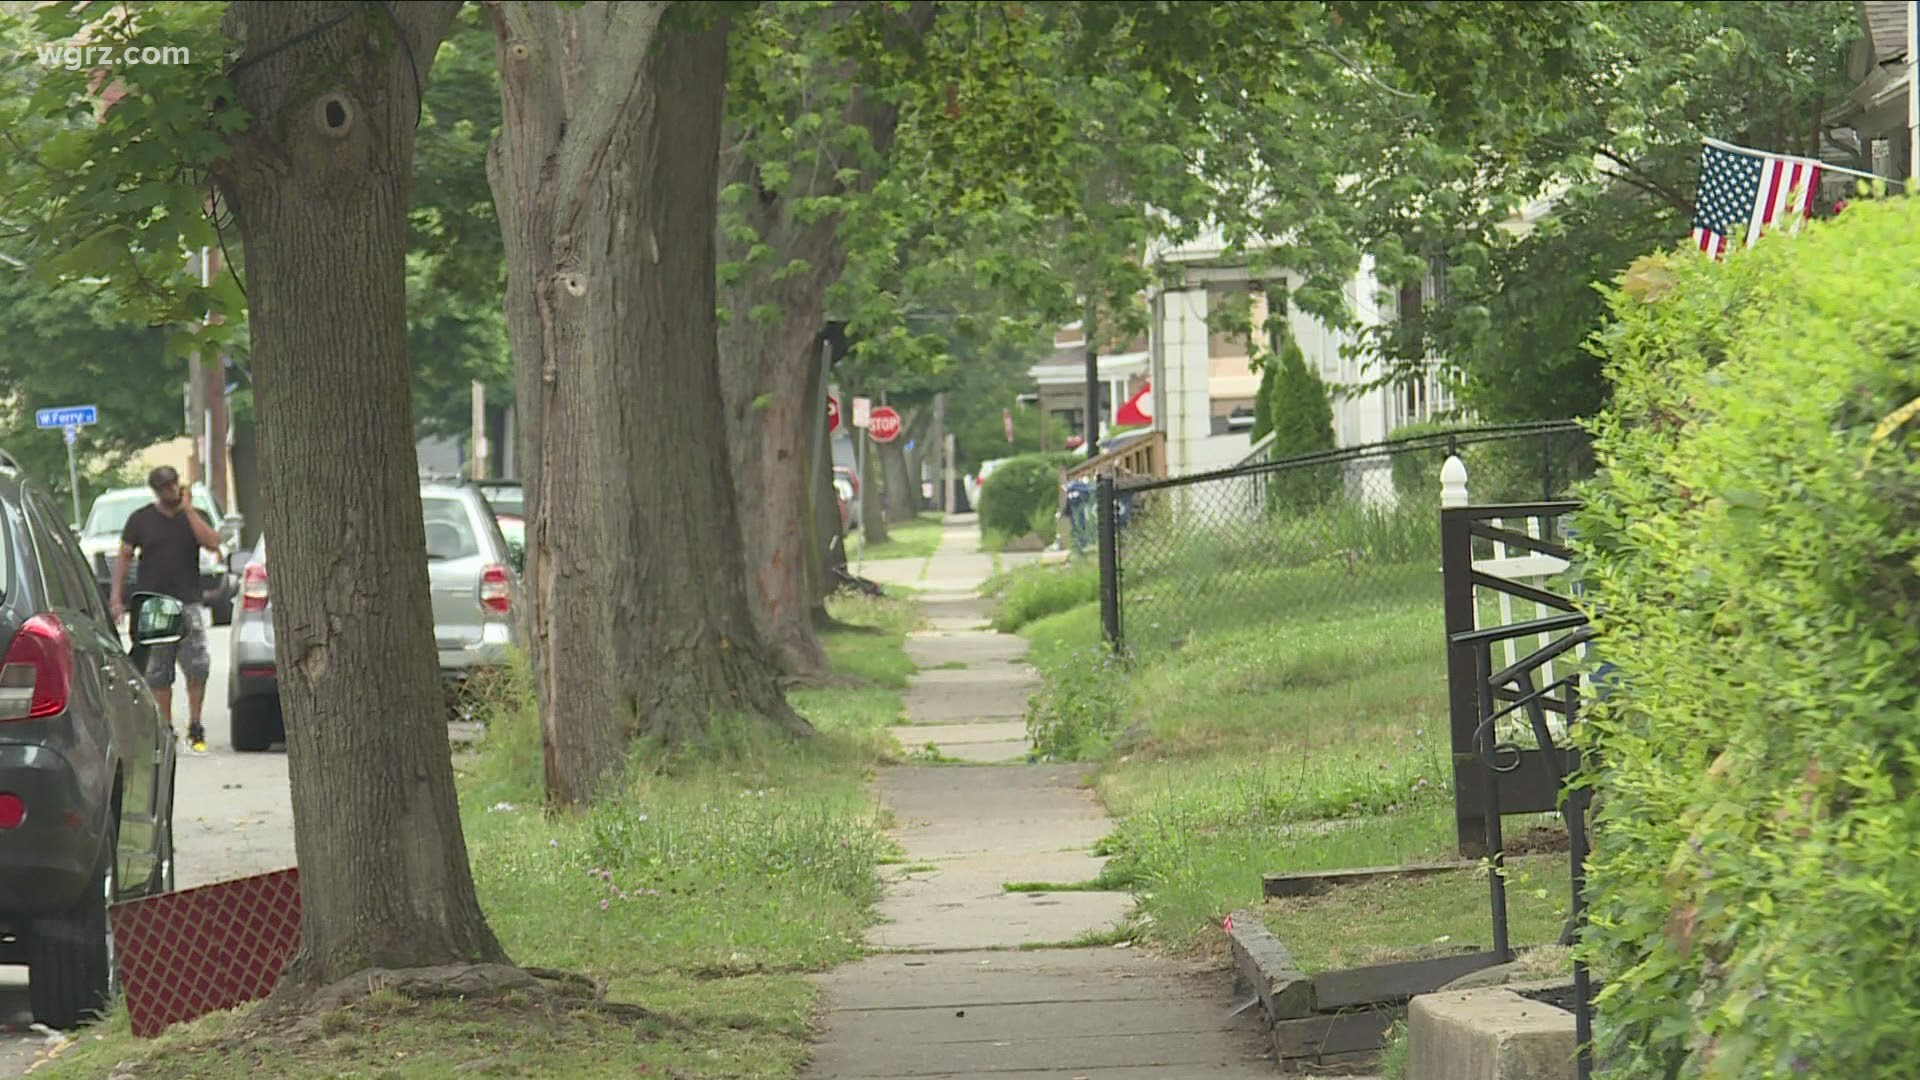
{"points": [[168, 534]]}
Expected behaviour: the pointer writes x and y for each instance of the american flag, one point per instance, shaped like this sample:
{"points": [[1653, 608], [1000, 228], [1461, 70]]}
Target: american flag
{"points": [[1743, 192]]}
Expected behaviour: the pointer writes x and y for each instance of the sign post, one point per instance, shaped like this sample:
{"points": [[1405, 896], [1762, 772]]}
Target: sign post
{"points": [[69, 420], [862, 416]]}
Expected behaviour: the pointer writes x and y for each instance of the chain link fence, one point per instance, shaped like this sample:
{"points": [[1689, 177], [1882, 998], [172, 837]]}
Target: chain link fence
{"points": [[1308, 535]]}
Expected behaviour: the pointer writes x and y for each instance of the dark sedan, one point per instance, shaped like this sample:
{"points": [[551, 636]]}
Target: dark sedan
{"points": [[86, 762]]}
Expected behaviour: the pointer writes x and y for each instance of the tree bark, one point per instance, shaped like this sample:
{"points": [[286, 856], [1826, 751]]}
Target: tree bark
{"points": [[246, 480], [318, 182], [873, 508], [902, 498], [827, 538], [568, 79], [766, 370], [765, 376], [687, 650]]}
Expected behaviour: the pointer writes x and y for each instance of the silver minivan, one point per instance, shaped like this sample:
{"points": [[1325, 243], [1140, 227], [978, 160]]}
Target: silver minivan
{"points": [[470, 571]]}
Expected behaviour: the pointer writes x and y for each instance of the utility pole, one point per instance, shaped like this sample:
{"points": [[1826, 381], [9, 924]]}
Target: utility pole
{"points": [[937, 440], [197, 389], [1913, 97], [1093, 384], [478, 456]]}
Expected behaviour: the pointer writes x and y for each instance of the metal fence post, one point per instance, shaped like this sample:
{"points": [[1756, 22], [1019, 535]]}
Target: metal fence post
{"points": [[1105, 497], [1456, 578], [1546, 466]]}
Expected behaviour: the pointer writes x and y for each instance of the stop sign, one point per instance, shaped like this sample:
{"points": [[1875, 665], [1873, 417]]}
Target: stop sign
{"points": [[883, 424], [833, 414]]}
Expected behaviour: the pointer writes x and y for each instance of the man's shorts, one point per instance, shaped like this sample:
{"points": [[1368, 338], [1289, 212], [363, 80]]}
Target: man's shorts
{"points": [[189, 653]]}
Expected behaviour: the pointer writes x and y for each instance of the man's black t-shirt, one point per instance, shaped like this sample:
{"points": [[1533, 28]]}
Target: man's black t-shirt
{"points": [[169, 555]]}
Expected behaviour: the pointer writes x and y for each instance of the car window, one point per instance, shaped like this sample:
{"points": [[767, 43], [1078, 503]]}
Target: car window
{"points": [[111, 511], [6, 548], [62, 566], [450, 532]]}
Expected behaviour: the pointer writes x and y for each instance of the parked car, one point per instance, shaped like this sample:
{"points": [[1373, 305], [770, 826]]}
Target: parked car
{"points": [[473, 581], [86, 759], [219, 574], [509, 503], [846, 484]]}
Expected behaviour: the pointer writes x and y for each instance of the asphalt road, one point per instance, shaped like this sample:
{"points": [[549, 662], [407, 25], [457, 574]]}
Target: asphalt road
{"points": [[234, 819]]}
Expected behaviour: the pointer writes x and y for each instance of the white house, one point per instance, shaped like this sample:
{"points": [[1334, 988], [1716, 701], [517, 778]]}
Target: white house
{"points": [[1204, 383]]}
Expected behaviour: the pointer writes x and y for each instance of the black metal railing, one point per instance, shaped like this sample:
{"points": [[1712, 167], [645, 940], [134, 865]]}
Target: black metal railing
{"points": [[1494, 774], [1274, 538]]}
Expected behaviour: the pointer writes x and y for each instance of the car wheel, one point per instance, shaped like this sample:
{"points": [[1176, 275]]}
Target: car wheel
{"points": [[70, 962], [162, 880], [256, 723]]}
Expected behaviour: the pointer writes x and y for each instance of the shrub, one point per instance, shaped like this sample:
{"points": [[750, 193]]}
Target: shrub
{"points": [[1080, 705], [1016, 491], [1034, 592], [1754, 568], [1301, 414]]}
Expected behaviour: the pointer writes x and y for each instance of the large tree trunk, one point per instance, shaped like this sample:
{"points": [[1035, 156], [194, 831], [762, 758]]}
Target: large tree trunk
{"points": [[318, 182], [766, 377], [901, 493], [246, 479], [826, 538], [873, 508], [687, 651], [767, 368], [568, 79]]}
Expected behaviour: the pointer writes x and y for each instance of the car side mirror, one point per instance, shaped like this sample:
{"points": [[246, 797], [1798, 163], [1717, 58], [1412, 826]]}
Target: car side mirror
{"points": [[158, 620]]}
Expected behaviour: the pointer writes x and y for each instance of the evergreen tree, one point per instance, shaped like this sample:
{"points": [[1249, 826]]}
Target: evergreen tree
{"points": [[1300, 413]]}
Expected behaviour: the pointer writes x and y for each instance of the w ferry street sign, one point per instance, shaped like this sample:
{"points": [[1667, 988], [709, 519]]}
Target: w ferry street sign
{"points": [[67, 416]]}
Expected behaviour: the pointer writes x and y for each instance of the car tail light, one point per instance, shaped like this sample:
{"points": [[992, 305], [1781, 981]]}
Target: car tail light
{"points": [[13, 810], [253, 588], [37, 673], [496, 590]]}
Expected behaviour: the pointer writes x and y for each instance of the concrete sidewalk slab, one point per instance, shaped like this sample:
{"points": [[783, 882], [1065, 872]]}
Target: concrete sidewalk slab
{"points": [[1104, 1014], [947, 703], [978, 649], [963, 734], [937, 1003]]}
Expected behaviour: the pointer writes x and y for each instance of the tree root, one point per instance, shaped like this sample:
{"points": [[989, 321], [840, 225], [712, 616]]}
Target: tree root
{"points": [[546, 987], [823, 680]]}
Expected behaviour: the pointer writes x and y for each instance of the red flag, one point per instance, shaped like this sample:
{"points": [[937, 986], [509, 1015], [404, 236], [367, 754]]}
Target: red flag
{"points": [[1137, 411]]}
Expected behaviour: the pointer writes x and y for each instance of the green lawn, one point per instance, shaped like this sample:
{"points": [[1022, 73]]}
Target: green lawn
{"points": [[704, 893], [1301, 726], [914, 539], [1399, 919]]}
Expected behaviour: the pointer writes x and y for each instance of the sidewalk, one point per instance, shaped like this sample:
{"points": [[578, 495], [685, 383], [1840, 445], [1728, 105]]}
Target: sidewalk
{"points": [[950, 992]]}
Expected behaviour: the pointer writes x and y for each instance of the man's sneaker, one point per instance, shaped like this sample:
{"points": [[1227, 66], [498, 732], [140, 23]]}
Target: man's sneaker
{"points": [[197, 738]]}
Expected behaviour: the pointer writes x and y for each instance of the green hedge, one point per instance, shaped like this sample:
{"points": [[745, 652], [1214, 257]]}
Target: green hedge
{"points": [[1754, 548], [1020, 494]]}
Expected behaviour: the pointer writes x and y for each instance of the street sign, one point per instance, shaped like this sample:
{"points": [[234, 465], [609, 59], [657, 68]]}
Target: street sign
{"points": [[885, 425], [69, 419], [833, 414], [67, 416], [862, 411]]}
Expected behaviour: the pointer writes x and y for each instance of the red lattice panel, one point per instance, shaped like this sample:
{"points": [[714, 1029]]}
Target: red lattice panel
{"points": [[185, 954]]}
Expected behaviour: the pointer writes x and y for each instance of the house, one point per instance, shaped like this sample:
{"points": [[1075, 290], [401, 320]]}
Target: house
{"points": [[1061, 379], [1205, 383], [1880, 113]]}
